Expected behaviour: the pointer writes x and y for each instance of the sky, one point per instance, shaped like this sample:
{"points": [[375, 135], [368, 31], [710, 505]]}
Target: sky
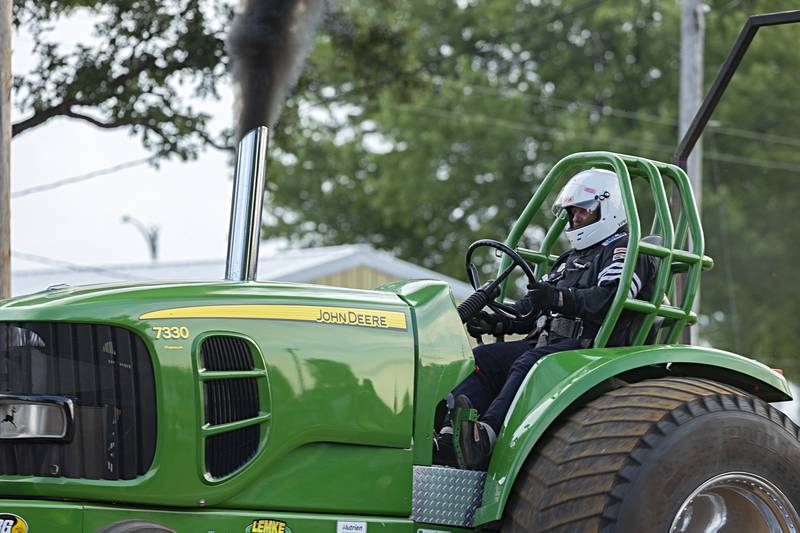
{"points": [[81, 223]]}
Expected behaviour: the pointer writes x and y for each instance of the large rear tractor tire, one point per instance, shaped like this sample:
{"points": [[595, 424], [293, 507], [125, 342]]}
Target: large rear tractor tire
{"points": [[666, 455]]}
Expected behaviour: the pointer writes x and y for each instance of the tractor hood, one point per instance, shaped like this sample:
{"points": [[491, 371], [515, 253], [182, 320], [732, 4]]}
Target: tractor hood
{"points": [[202, 393], [128, 301]]}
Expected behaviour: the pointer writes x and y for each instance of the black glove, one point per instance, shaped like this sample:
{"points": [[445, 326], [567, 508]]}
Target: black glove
{"points": [[496, 324], [544, 297], [485, 323]]}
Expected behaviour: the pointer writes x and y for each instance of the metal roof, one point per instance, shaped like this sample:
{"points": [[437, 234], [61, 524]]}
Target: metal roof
{"points": [[300, 266]]}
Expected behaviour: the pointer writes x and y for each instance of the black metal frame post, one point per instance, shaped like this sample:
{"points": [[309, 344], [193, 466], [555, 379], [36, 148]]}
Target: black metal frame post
{"points": [[724, 77], [714, 95]]}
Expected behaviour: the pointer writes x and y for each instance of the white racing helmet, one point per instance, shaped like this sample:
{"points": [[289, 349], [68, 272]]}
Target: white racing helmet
{"points": [[593, 189]]}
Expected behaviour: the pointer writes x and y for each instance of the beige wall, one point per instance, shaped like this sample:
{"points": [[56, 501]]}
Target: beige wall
{"points": [[360, 277], [367, 278]]}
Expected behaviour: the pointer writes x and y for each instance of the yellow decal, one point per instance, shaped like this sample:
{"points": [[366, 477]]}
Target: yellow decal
{"points": [[347, 316], [268, 526], [173, 332], [11, 523]]}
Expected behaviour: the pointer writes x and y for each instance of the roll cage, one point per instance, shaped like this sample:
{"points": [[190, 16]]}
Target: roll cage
{"points": [[673, 257]]}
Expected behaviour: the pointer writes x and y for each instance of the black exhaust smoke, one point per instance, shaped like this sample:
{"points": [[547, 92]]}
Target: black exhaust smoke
{"points": [[268, 43]]}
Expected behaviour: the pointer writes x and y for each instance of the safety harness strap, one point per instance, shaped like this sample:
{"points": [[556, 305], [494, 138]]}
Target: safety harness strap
{"points": [[573, 328]]}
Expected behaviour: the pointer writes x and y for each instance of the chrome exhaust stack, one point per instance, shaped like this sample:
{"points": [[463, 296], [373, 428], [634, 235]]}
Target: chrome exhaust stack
{"points": [[248, 199]]}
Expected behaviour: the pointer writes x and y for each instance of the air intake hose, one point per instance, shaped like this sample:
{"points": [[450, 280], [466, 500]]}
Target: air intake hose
{"points": [[477, 301]]}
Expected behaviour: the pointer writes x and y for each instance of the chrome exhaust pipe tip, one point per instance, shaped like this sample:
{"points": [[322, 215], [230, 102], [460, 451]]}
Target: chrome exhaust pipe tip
{"points": [[246, 207]]}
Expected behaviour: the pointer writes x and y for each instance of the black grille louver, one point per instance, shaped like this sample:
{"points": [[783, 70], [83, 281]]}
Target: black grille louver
{"points": [[229, 399], [225, 353], [227, 452], [108, 373]]}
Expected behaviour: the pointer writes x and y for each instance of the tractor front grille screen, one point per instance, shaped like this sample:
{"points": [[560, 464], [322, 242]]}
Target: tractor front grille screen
{"points": [[108, 374]]}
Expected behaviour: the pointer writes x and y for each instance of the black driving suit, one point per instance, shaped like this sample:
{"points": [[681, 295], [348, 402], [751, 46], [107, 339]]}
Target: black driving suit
{"points": [[589, 279]]}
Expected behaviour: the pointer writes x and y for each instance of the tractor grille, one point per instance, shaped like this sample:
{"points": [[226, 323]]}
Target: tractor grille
{"points": [[108, 373], [230, 399], [227, 452], [226, 353]]}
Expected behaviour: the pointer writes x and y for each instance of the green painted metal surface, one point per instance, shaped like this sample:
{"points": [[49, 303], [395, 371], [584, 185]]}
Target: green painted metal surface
{"points": [[445, 355], [241, 521], [44, 517], [350, 387], [558, 380], [63, 517], [345, 479], [49, 517]]}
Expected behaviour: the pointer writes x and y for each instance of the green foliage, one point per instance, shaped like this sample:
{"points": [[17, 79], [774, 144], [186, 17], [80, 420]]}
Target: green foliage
{"points": [[432, 121], [421, 125], [145, 57], [750, 204]]}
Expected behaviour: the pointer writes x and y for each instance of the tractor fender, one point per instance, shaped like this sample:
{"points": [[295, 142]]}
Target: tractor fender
{"points": [[565, 380]]}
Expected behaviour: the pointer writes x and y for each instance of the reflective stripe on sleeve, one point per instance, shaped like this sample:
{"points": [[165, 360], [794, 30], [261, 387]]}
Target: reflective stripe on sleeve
{"points": [[613, 272]]}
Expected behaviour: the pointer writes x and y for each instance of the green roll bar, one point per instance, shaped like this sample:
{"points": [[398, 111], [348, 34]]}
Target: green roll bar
{"points": [[673, 257]]}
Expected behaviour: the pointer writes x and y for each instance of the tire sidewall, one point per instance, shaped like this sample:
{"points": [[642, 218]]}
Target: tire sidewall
{"points": [[708, 445]]}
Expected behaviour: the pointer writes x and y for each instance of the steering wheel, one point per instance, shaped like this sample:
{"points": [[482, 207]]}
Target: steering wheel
{"points": [[485, 294]]}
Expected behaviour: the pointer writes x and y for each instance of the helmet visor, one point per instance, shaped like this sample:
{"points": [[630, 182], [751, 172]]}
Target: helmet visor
{"points": [[575, 194]]}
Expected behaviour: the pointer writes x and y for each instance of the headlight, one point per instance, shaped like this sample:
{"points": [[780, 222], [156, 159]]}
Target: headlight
{"points": [[35, 417]]}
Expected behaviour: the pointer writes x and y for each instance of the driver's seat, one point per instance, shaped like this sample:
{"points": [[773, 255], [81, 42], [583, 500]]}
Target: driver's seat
{"points": [[652, 335]]}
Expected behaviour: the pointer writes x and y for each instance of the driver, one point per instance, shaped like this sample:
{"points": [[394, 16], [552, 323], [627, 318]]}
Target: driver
{"points": [[569, 305]]}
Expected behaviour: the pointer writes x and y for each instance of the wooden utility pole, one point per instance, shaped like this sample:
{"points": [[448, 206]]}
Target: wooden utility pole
{"points": [[691, 95], [691, 89], [5, 148]]}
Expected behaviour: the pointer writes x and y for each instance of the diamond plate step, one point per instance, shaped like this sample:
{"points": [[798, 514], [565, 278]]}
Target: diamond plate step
{"points": [[447, 496]]}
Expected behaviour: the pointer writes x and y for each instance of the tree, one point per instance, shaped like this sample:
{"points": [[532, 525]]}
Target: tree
{"points": [[750, 298], [433, 121], [146, 59], [421, 125]]}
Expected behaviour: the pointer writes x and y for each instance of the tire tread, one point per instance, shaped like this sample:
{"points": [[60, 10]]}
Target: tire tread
{"points": [[576, 477]]}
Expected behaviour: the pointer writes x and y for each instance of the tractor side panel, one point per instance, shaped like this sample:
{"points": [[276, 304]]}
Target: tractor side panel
{"points": [[444, 355], [34, 516], [334, 478], [559, 380], [98, 518], [340, 399]]}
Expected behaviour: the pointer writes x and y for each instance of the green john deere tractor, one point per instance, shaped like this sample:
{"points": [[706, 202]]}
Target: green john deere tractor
{"points": [[241, 406]]}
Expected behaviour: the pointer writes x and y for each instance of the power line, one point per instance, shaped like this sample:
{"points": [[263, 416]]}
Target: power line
{"points": [[82, 177], [509, 124], [568, 104], [522, 126], [755, 135], [763, 163], [606, 110], [726, 258], [108, 272]]}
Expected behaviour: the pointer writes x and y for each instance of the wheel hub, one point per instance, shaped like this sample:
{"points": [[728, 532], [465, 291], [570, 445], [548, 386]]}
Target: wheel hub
{"points": [[736, 501]]}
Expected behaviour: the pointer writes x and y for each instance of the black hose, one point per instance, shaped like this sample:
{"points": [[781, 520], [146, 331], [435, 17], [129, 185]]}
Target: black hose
{"points": [[472, 305]]}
